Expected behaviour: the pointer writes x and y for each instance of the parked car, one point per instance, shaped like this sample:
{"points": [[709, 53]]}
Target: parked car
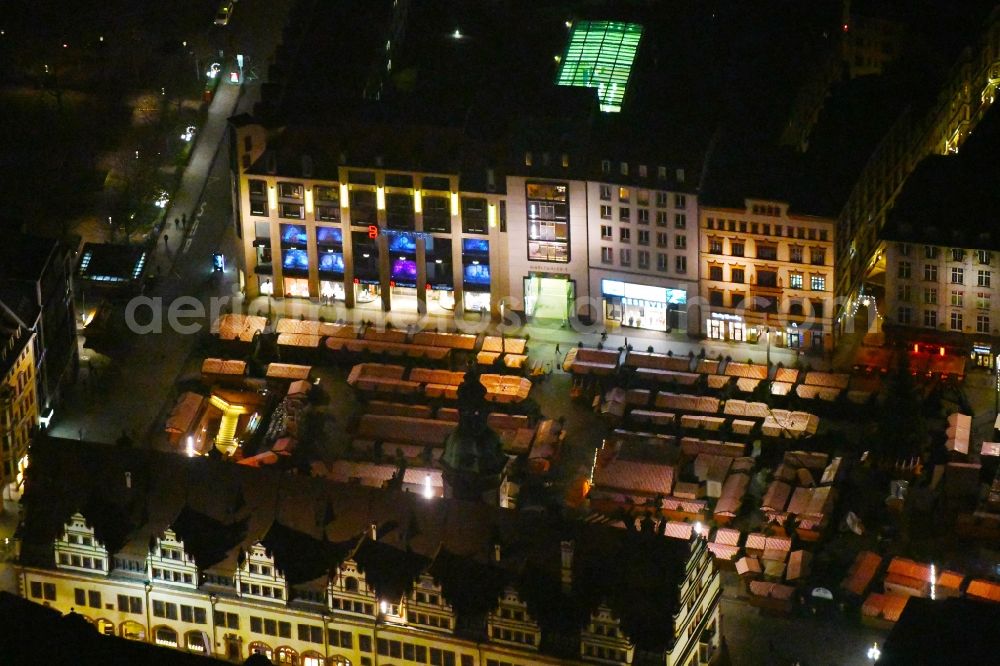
{"points": [[225, 13]]}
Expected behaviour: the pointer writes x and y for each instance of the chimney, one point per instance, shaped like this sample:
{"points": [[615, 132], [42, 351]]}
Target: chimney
{"points": [[496, 553], [566, 551], [373, 532]]}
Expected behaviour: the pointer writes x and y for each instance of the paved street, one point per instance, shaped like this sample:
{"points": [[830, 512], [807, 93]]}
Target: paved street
{"points": [[834, 639]]}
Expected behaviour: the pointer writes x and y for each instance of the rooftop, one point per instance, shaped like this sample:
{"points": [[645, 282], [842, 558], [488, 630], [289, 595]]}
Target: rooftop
{"points": [[310, 525], [949, 631], [952, 199]]}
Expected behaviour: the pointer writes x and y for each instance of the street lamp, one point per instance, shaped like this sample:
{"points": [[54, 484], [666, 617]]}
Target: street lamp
{"points": [[874, 653]]}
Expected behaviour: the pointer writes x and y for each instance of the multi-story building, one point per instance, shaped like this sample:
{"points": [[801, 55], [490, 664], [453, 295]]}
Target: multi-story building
{"points": [[36, 287], [643, 245], [766, 274], [361, 226], [941, 255], [18, 398], [207, 558], [937, 129]]}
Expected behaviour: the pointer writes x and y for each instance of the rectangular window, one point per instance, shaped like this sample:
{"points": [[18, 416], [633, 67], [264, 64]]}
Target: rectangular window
{"points": [[714, 246], [625, 256], [817, 256], [256, 625], [930, 318], [982, 323], [983, 300], [285, 629], [983, 278], [270, 627], [930, 272], [767, 252], [661, 218], [795, 280], [364, 643], [661, 199], [903, 292], [930, 251], [817, 282], [661, 239], [642, 197], [257, 188], [623, 194], [984, 256], [903, 270], [737, 249], [904, 315], [289, 190], [36, 589], [738, 275], [681, 264], [957, 254], [680, 201], [643, 259], [957, 276], [680, 221], [956, 321], [605, 212], [643, 216], [474, 215], [625, 235], [607, 233], [795, 254], [680, 242], [715, 298], [605, 193], [715, 273], [291, 211], [930, 296], [957, 299], [548, 222], [661, 262], [904, 249], [624, 214], [643, 237], [80, 597], [607, 255]]}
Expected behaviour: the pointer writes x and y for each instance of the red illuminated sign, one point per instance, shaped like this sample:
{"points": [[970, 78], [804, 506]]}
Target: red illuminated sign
{"points": [[372, 231]]}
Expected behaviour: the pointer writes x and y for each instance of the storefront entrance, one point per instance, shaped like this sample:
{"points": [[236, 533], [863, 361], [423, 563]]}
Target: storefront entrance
{"points": [[548, 297], [643, 306]]}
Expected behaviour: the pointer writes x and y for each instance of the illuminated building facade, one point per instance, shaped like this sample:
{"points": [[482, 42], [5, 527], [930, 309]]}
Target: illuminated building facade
{"points": [[367, 231], [767, 275], [201, 556], [18, 398], [960, 105]]}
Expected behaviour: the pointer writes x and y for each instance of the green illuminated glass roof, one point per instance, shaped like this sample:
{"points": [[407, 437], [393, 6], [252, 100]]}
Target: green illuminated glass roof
{"points": [[600, 55]]}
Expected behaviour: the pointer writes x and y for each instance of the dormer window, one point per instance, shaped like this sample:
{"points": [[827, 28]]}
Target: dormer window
{"points": [[606, 166]]}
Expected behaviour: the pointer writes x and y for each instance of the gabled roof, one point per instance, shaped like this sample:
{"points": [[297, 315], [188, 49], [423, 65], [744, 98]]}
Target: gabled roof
{"points": [[219, 509]]}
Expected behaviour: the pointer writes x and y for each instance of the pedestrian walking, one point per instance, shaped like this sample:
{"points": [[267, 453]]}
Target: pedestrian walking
{"points": [[557, 347], [166, 241], [184, 220], [177, 223]]}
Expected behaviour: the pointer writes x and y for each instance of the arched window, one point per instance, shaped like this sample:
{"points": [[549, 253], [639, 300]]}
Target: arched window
{"points": [[795, 308], [286, 655], [339, 661], [132, 631], [258, 647], [312, 658], [351, 584], [105, 627], [195, 641], [165, 636]]}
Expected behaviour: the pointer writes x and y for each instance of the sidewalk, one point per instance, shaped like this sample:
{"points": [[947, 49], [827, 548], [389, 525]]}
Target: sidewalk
{"points": [[186, 199]]}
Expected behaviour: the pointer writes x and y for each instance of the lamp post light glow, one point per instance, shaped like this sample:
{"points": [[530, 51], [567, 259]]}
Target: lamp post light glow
{"points": [[188, 133], [874, 653], [213, 70]]}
